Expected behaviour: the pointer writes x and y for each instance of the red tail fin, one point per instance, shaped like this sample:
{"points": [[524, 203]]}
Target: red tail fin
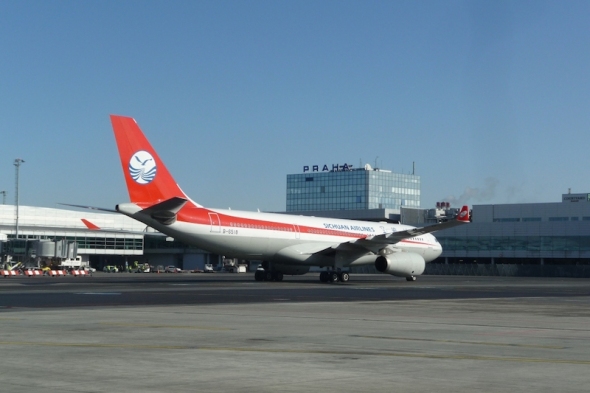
{"points": [[90, 225], [464, 215], [148, 180]]}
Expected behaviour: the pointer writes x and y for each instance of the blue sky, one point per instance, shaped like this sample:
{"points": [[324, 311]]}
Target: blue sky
{"points": [[490, 99]]}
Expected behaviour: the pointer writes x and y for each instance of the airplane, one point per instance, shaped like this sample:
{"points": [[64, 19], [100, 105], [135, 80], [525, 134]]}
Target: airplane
{"points": [[287, 244]]}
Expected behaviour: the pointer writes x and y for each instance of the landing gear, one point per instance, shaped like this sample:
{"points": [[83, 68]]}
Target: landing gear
{"points": [[259, 275], [411, 278], [263, 275], [332, 276]]}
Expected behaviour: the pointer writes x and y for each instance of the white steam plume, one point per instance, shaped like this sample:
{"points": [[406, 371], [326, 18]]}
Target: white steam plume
{"points": [[471, 195]]}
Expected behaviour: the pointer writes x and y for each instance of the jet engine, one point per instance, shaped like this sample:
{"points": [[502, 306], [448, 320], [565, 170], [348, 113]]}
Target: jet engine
{"points": [[401, 264]]}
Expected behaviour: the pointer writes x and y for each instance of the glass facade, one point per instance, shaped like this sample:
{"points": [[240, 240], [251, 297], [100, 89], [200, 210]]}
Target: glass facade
{"points": [[357, 189], [517, 243], [534, 233], [154, 243], [85, 244]]}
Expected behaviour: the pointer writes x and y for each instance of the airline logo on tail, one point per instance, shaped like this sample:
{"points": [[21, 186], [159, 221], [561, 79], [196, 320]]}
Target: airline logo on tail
{"points": [[142, 167]]}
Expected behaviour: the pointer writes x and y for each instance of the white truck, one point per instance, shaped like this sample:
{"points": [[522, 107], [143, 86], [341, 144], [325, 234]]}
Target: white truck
{"points": [[74, 263], [232, 266]]}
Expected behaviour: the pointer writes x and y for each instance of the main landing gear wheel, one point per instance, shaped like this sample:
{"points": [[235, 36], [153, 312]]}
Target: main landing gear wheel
{"points": [[412, 278], [334, 277]]}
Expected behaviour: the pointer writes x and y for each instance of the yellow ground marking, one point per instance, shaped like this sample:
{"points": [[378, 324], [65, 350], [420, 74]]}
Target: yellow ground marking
{"points": [[151, 326], [296, 351], [466, 342], [93, 345]]}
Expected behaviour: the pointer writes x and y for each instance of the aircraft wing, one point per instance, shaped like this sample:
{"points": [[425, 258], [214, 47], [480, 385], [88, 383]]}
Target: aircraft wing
{"points": [[102, 209], [371, 242], [395, 237]]}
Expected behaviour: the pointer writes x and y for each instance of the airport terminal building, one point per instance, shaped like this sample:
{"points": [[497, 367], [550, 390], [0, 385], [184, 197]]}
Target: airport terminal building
{"points": [[541, 237], [46, 234]]}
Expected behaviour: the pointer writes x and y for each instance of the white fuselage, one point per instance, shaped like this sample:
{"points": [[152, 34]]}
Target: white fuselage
{"points": [[287, 238]]}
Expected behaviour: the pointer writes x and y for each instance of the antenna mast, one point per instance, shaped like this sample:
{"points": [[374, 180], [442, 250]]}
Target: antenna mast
{"points": [[17, 164]]}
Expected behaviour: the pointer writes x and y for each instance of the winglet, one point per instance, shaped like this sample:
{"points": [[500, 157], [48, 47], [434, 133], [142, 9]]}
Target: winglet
{"points": [[464, 215], [90, 225]]}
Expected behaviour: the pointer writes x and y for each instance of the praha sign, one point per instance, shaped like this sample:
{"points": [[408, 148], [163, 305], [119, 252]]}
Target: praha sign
{"points": [[325, 168]]}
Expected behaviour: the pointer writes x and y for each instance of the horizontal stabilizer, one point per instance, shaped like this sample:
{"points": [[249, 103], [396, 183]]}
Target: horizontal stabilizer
{"points": [[173, 205], [165, 212]]}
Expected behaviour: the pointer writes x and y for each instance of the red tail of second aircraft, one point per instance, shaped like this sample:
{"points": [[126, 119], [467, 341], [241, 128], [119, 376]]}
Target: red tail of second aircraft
{"points": [[148, 180], [464, 215]]}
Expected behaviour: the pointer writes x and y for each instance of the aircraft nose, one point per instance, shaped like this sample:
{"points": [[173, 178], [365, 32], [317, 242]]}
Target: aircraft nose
{"points": [[438, 251]]}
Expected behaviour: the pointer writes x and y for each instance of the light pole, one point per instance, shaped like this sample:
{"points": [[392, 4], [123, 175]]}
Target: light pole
{"points": [[17, 163], [3, 197]]}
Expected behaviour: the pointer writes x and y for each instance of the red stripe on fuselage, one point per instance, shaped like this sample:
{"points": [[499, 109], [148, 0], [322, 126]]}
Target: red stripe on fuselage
{"points": [[201, 216], [416, 242]]}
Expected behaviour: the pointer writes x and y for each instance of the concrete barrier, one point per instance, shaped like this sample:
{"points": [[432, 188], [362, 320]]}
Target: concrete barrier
{"points": [[8, 273], [79, 273], [31, 273]]}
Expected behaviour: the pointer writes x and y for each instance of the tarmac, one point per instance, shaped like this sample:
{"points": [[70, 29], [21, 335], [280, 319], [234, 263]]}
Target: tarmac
{"points": [[227, 332]]}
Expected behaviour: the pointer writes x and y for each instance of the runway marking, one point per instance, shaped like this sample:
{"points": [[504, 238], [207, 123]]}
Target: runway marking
{"points": [[465, 342], [99, 293], [296, 351], [90, 345], [146, 325]]}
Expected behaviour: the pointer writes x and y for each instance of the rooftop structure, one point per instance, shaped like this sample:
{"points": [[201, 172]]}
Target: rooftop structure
{"points": [[343, 187]]}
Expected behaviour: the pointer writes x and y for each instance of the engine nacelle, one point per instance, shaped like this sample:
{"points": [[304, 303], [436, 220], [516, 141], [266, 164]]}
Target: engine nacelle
{"points": [[401, 264]]}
